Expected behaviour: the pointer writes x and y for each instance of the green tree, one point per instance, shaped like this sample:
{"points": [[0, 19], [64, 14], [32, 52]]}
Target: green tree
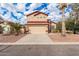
{"points": [[16, 27], [69, 24], [59, 26], [75, 13]]}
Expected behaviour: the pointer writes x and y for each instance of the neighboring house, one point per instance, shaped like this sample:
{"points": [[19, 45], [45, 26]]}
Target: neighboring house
{"points": [[38, 22]]}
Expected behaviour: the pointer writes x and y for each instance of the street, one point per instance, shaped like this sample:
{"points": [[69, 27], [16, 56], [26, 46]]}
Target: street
{"points": [[39, 50]]}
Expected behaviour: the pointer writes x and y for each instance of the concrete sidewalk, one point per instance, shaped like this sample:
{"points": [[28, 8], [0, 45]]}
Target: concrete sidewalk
{"points": [[35, 39]]}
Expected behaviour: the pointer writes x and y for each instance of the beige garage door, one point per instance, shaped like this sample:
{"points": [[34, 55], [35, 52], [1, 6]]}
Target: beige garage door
{"points": [[38, 28]]}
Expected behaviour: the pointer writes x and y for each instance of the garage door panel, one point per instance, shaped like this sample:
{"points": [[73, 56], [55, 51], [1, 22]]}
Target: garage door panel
{"points": [[38, 28]]}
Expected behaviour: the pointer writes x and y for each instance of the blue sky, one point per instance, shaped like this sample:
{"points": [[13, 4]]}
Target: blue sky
{"points": [[15, 11]]}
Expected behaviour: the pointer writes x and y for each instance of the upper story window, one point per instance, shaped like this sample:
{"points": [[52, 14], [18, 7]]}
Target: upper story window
{"points": [[40, 17]]}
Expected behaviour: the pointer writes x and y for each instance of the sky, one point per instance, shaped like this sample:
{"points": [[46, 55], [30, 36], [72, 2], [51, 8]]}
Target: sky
{"points": [[15, 11]]}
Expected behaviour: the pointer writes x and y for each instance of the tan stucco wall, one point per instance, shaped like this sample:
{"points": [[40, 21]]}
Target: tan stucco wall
{"points": [[38, 28], [39, 17]]}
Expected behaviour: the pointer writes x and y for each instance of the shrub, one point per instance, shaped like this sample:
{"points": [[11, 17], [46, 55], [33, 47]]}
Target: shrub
{"points": [[1, 30], [16, 27]]}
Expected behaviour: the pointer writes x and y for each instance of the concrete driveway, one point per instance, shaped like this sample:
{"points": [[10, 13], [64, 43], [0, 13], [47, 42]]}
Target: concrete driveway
{"points": [[35, 38]]}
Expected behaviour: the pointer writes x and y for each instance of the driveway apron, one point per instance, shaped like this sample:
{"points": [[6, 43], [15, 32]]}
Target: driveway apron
{"points": [[35, 38]]}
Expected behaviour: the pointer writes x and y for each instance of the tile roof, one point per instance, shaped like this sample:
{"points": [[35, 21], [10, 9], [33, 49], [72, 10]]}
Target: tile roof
{"points": [[37, 13]]}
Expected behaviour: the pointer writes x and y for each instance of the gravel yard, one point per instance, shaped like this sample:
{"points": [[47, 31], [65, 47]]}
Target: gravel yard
{"points": [[10, 38], [56, 37]]}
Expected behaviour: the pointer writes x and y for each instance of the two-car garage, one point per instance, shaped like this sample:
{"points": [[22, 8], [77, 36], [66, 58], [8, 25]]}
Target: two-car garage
{"points": [[38, 28], [37, 22]]}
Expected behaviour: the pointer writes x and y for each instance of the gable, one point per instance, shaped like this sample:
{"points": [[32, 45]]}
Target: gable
{"points": [[36, 13], [37, 16]]}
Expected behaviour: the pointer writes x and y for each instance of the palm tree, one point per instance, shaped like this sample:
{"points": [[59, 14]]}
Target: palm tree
{"points": [[62, 8]]}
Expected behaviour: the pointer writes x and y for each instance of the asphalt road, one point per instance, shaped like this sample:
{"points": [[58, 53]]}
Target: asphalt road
{"points": [[39, 50]]}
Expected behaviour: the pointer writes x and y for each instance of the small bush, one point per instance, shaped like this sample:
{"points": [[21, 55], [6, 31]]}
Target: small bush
{"points": [[16, 27], [1, 30]]}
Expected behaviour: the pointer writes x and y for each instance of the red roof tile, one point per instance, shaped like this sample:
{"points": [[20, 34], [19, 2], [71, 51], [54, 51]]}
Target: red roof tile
{"points": [[37, 13]]}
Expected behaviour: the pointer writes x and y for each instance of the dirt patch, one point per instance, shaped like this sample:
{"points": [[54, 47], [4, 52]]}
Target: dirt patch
{"points": [[10, 38], [57, 37]]}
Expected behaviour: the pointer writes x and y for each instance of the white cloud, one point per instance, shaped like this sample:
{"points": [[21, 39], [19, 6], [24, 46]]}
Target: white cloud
{"points": [[20, 7], [32, 7], [51, 9]]}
